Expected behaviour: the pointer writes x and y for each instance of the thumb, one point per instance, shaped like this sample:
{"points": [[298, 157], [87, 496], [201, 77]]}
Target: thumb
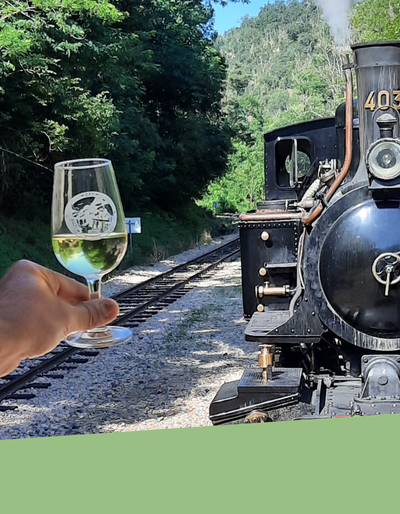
{"points": [[95, 313]]}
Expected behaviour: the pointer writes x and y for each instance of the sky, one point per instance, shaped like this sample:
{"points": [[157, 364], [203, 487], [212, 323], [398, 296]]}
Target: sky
{"points": [[229, 16]]}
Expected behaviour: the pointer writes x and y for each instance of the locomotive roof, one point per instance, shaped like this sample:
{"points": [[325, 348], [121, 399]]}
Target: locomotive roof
{"points": [[300, 127]]}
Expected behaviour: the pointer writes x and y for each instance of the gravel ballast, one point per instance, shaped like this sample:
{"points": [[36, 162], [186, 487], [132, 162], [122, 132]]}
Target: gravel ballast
{"points": [[165, 378]]}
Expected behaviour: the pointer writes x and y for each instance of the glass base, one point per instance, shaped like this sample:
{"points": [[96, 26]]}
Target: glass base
{"points": [[103, 337]]}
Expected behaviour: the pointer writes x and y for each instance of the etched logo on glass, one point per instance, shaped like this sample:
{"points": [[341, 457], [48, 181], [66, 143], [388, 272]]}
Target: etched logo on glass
{"points": [[90, 215]]}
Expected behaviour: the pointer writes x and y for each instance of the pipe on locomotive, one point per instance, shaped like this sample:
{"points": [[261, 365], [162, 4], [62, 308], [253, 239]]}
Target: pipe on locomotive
{"points": [[307, 220]]}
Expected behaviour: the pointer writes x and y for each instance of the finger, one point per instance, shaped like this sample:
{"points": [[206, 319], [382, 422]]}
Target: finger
{"points": [[66, 289], [9, 364], [93, 313]]}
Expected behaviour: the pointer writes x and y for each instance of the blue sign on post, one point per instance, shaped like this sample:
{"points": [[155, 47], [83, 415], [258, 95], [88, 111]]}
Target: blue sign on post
{"points": [[133, 226]]}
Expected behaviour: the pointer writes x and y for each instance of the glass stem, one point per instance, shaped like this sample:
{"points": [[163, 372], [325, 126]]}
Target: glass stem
{"points": [[94, 286]]}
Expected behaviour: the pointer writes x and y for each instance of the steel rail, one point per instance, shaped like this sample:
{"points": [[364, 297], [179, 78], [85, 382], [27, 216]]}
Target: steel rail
{"points": [[171, 289], [173, 270], [21, 380], [61, 355]]}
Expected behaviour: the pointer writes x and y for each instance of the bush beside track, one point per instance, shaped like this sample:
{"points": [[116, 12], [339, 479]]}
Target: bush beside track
{"points": [[162, 235]]}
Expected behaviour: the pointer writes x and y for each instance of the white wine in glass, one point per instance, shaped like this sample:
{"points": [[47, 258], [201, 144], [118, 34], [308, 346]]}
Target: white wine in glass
{"points": [[88, 234]]}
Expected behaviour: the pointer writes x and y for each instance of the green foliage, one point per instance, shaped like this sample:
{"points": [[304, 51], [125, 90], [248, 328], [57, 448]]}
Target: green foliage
{"points": [[24, 239], [289, 62], [243, 185], [182, 99], [138, 81], [283, 67], [46, 109], [162, 235], [376, 20]]}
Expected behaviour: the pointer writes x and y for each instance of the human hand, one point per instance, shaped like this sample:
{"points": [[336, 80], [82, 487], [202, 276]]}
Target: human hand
{"points": [[39, 307]]}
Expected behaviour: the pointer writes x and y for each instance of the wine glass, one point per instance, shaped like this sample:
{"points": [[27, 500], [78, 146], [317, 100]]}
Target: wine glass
{"points": [[88, 234]]}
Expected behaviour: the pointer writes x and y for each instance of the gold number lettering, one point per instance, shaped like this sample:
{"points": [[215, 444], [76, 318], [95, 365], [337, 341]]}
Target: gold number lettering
{"points": [[381, 95], [396, 95], [383, 100], [370, 103]]}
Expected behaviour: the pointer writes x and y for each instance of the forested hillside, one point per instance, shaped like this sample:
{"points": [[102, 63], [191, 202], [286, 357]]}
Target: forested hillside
{"points": [[284, 67]]}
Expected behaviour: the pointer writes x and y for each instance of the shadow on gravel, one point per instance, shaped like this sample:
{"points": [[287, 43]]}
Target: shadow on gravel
{"points": [[165, 378], [180, 366]]}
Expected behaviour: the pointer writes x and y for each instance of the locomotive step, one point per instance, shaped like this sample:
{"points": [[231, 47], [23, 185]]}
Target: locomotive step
{"points": [[262, 323], [284, 380], [235, 400]]}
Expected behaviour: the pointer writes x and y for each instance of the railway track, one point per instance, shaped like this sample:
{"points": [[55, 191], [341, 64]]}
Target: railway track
{"points": [[137, 304]]}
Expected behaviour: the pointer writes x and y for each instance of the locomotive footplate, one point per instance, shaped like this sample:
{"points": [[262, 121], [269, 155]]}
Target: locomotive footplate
{"points": [[277, 327], [235, 400], [261, 323]]}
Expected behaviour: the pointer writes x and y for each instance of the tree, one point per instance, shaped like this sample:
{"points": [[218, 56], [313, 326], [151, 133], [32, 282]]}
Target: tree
{"points": [[376, 20], [138, 81], [283, 67], [43, 102], [243, 185]]}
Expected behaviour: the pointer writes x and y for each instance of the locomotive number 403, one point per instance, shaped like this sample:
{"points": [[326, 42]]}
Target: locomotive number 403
{"points": [[383, 100]]}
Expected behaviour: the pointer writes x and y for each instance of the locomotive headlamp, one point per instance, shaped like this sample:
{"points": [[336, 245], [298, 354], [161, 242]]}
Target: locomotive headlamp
{"points": [[383, 159]]}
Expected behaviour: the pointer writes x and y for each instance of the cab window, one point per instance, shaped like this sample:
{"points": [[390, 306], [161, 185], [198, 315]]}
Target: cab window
{"points": [[292, 159]]}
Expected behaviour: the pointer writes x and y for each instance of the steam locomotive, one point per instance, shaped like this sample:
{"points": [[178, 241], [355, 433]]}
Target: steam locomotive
{"points": [[321, 260]]}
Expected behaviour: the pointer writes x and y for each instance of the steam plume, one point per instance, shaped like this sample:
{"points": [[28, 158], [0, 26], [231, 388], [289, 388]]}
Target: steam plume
{"points": [[337, 13]]}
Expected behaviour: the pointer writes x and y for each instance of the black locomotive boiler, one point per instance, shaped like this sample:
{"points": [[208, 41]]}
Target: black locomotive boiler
{"points": [[321, 260]]}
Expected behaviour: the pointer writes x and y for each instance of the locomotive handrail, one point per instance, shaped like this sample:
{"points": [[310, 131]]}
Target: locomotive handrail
{"points": [[266, 215], [307, 220]]}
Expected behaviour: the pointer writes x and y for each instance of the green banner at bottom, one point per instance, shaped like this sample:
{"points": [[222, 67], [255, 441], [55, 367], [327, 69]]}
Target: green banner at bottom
{"points": [[340, 465]]}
